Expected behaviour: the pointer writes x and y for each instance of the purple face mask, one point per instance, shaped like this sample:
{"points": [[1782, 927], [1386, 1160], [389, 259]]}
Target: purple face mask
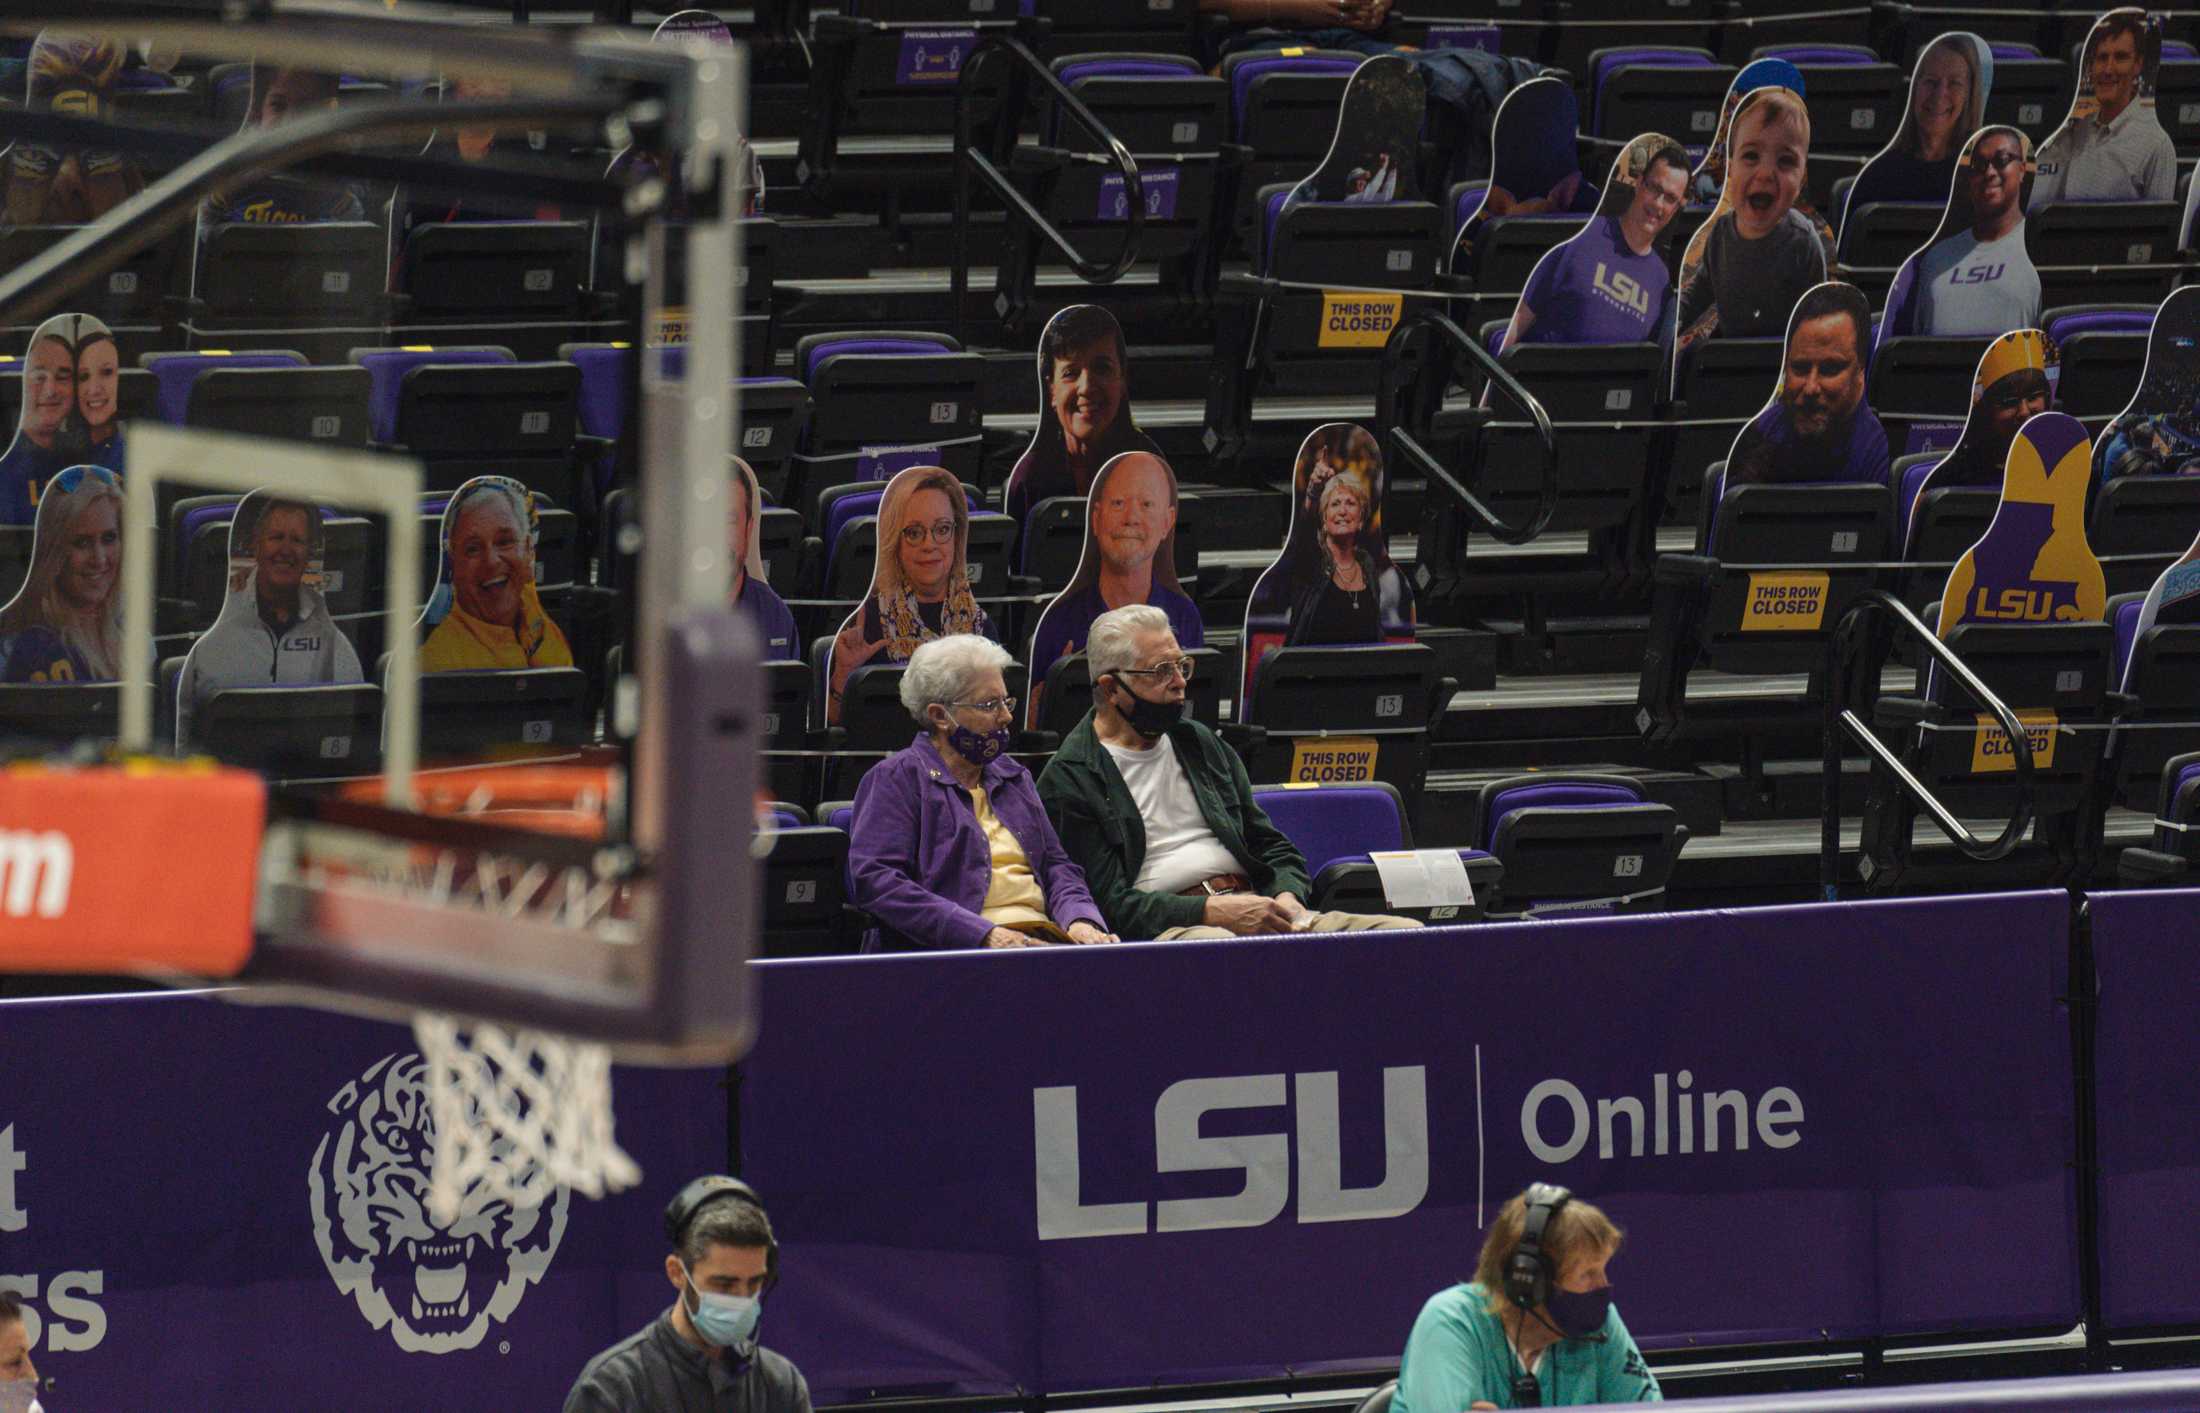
{"points": [[978, 747]]}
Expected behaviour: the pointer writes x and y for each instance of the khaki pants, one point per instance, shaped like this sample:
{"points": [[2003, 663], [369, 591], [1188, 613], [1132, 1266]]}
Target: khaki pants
{"points": [[1317, 922]]}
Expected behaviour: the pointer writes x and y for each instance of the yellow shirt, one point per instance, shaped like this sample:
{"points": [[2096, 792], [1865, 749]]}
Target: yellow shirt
{"points": [[1014, 899], [464, 643]]}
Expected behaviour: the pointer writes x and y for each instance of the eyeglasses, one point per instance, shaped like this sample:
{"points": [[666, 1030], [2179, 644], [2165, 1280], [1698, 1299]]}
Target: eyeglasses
{"points": [[991, 706], [940, 531], [1182, 667]]}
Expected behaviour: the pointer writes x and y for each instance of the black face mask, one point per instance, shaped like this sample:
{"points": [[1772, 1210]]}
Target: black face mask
{"points": [[1150, 719]]}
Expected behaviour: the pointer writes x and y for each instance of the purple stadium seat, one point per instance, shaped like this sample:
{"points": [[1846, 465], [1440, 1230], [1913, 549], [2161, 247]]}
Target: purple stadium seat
{"points": [[1827, 55], [1243, 75], [2126, 618], [824, 349], [1559, 795], [1913, 482], [388, 367], [1646, 56], [1331, 822], [176, 372], [1144, 66], [2086, 321]]}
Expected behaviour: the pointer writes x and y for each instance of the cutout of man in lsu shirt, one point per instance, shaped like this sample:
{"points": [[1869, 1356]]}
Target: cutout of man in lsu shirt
{"points": [[1610, 284], [1974, 277]]}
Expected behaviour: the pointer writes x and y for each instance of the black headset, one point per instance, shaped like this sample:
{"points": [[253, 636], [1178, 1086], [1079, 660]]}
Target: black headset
{"points": [[1528, 1273], [690, 1201]]}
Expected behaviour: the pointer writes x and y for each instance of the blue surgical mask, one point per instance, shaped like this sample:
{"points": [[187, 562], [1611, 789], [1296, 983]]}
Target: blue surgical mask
{"points": [[1579, 1314], [724, 1320]]}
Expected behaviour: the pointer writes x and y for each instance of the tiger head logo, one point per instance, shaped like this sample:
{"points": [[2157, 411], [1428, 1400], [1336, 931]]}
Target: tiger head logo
{"points": [[438, 1288]]}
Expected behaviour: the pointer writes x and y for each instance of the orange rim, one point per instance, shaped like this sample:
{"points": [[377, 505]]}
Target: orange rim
{"points": [[550, 799]]}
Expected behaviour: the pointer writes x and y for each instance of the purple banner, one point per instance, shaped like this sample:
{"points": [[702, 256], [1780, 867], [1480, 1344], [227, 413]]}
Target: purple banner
{"points": [[933, 56], [2147, 958], [1159, 184], [257, 1176], [1131, 1165]]}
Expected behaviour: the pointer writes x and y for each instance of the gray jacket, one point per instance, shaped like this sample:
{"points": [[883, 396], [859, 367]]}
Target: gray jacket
{"points": [[656, 1371], [243, 650]]}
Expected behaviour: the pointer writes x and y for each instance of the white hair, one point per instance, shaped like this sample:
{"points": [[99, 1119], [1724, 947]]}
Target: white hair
{"points": [[1111, 644], [940, 671]]}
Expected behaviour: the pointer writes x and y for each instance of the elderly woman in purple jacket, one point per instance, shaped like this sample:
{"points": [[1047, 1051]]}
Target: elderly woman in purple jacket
{"points": [[949, 846]]}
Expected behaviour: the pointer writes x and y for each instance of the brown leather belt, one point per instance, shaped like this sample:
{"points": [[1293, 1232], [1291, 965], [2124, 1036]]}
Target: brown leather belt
{"points": [[1220, 883]]}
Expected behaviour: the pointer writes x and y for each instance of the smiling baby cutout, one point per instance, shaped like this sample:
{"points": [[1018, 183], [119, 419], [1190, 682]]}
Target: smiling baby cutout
{"points": [[1758, 254]]}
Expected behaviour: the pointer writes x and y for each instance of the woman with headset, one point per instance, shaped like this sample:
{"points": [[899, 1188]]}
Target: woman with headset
{"points": [[1536, 1327]]}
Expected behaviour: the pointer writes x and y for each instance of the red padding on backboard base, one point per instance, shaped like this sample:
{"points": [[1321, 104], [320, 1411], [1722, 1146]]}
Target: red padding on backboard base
{"points": [[128, 868]]}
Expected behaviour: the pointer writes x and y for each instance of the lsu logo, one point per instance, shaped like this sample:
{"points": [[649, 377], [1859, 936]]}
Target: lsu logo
{"points": [[1978, 275], [1623, 289], [1786, 601], [1992, 752], [1358, 320], [437, 1288], [2045, 603]]}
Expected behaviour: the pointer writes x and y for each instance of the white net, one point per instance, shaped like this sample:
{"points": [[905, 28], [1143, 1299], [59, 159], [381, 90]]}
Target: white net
{"points": [[518, 1114]]}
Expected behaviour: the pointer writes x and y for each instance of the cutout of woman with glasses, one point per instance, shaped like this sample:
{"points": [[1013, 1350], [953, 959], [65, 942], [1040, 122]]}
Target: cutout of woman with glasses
{"points": [[921, 587], [66, 623]]}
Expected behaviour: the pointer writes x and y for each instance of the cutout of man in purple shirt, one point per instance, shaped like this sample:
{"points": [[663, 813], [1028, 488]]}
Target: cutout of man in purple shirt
{"points": [[1610, 284]]}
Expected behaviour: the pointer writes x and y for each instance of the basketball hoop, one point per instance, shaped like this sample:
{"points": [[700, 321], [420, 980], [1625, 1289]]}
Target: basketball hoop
{"points": [[518, 1114]]}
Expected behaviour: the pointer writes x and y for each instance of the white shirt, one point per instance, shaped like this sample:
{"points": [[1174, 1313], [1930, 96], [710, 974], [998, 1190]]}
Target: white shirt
{"points": [[1969, 289], [2129, 159], [1181, 850]]}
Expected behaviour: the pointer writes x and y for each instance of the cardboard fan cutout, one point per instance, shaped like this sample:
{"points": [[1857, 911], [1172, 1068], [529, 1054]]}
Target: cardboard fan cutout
{"points": [[1974, 277], [1709, 178], [752, 592], [1611, 283], [274, 629], [2015, 382], [2174, 599], [70, 412], [920, 589], [1533, 167], [65, 623], [1948, 91], [278, 96], [1373, 155], [2158, 432], [1333, 581], [1084, 410], [72, 74], [2033, 564], [1819, 426], [485, 613], [634, 163], [1755, 257], [1129, 557], [2112, 146]]}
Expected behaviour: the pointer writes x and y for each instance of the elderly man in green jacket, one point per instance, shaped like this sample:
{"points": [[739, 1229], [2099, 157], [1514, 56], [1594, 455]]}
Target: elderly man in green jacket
{"points": [[1158, 812]]}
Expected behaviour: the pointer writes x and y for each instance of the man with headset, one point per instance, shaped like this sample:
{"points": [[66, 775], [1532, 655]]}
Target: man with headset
{"points": [[1536, 1327], [703, 1352]]}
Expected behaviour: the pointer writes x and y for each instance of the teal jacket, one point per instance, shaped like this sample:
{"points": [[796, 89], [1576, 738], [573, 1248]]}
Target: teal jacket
{"points": [[1092, 810], [1458, 1356]]}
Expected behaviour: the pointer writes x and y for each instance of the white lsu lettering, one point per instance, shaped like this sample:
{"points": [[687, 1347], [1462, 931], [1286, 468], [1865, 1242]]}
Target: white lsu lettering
{"points": [[1624, 288], [1777, 1106], [1266, 1159], [71, 1321]]}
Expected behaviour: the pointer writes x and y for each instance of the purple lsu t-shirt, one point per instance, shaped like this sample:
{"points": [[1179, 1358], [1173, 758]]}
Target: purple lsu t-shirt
{"points": [[1593, 289]]}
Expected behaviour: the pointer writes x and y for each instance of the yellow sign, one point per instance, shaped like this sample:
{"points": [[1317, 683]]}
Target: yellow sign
{"points": [[1785, 601], [1992, 751], [671, 327], [1332, 760], [1359, 320]]}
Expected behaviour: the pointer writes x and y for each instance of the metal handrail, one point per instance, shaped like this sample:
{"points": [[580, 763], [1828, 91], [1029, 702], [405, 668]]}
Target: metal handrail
{"points": [[43, 282], [1842, 659], [969, 161], [1389, 399]]}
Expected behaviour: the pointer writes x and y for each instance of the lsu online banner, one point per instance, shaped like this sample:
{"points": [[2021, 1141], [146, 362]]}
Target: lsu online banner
{"points": [[2146, 1093], [215, 1206], [1170, 1163]]}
